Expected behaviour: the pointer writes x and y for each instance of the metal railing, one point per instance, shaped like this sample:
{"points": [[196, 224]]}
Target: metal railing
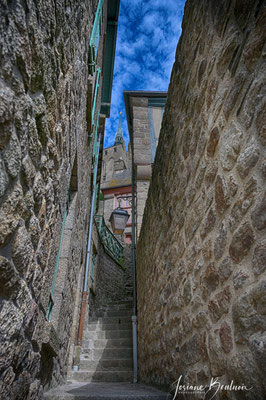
{"points": [[110, 243], [95, 37]]}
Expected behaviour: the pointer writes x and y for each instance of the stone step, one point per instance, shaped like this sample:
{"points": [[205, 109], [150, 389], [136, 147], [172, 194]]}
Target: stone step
{"points": [[119, 304], [111, 320], [124, 312], [103, 376], [108, 343], [106, 354], [106, 365], [108, 334], [108, 327], [105, 391]]}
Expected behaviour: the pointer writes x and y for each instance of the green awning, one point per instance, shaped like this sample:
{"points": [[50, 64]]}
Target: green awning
{"points": [[109, 55]]}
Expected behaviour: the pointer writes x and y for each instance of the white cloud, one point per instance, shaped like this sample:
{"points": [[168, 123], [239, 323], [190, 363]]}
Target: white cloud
{"points": [[148, 33]]}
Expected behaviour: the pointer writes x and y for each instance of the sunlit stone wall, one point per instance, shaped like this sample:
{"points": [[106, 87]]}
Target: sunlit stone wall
{"points": [[201, 253]]}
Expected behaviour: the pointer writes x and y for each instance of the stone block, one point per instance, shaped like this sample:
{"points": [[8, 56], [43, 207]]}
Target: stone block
{"points": [[248, 312], [244, 369], [241, 243], [201, 320], [213, 141], [216, 356], [254, 44], [7, 105], [257, 346], [220, 304], [220, 242], [12, 156], [226, 338], [248, 159], [6, 382], [260, 124], [222, 197], [207, 250], [209, 281], [229, 147], [22, 250], [239, 279], [190, 351], [208, 223], [259, 258], [10, 214], [28, 171], [211, 172], [187, 292], [9, 277], [3, 178], [259, 214]]}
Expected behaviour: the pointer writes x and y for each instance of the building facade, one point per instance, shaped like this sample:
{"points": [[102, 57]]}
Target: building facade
{"points": [[116, 177], [144, 110], [55, 77], [201, 251]]}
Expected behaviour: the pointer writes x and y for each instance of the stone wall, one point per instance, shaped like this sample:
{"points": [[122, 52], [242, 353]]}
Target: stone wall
{"points": [[144, 118], [142, 155], [44, 152], [112, 282], [201, 253]]}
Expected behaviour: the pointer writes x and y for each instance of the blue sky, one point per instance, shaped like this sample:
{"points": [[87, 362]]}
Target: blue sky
{"points": [[148, 32]]}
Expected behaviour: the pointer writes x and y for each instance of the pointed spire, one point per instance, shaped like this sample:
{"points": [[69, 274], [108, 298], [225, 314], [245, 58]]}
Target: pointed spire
{"points": [[119, 134]]}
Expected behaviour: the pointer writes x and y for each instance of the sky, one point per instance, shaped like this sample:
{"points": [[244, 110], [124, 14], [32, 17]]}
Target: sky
{"points": [[148, 32]]}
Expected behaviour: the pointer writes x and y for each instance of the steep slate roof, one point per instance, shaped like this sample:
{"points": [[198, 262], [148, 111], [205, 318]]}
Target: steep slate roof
{"points": [[120, 179]]}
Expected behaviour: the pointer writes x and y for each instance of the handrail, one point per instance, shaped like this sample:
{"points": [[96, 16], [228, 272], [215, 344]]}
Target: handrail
{"points": [[97, 84], [110, 242], [96, 24], [95, 37]]}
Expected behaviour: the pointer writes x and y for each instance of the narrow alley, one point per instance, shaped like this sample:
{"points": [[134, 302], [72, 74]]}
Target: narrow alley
{"points": [[132, 200]]}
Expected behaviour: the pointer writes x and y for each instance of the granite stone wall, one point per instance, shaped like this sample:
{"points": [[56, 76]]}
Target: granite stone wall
{"points": [[112, 282], [44, 154], [201, 255], [142, 155]]}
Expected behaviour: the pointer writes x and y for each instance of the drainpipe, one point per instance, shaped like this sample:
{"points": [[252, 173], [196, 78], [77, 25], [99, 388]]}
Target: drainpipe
{"points": [[85, 289], [134, 316]]}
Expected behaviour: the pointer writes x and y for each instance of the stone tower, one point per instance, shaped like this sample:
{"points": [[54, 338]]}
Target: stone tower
{"points": [[119, 133], [116, 177]]}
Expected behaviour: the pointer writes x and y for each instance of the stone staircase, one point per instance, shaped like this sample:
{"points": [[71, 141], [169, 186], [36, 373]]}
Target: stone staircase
{"points": [[106, 363], [107, 354]]}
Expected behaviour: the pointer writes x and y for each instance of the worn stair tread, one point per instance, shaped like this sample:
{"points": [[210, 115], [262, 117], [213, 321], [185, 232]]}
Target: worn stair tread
{"points": [[103, 376], [116, 307], [111, 320], [109, 334], [107, 343], [106, 391], [107, 354], [125, 312], [111, 327], [110, 365]]}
